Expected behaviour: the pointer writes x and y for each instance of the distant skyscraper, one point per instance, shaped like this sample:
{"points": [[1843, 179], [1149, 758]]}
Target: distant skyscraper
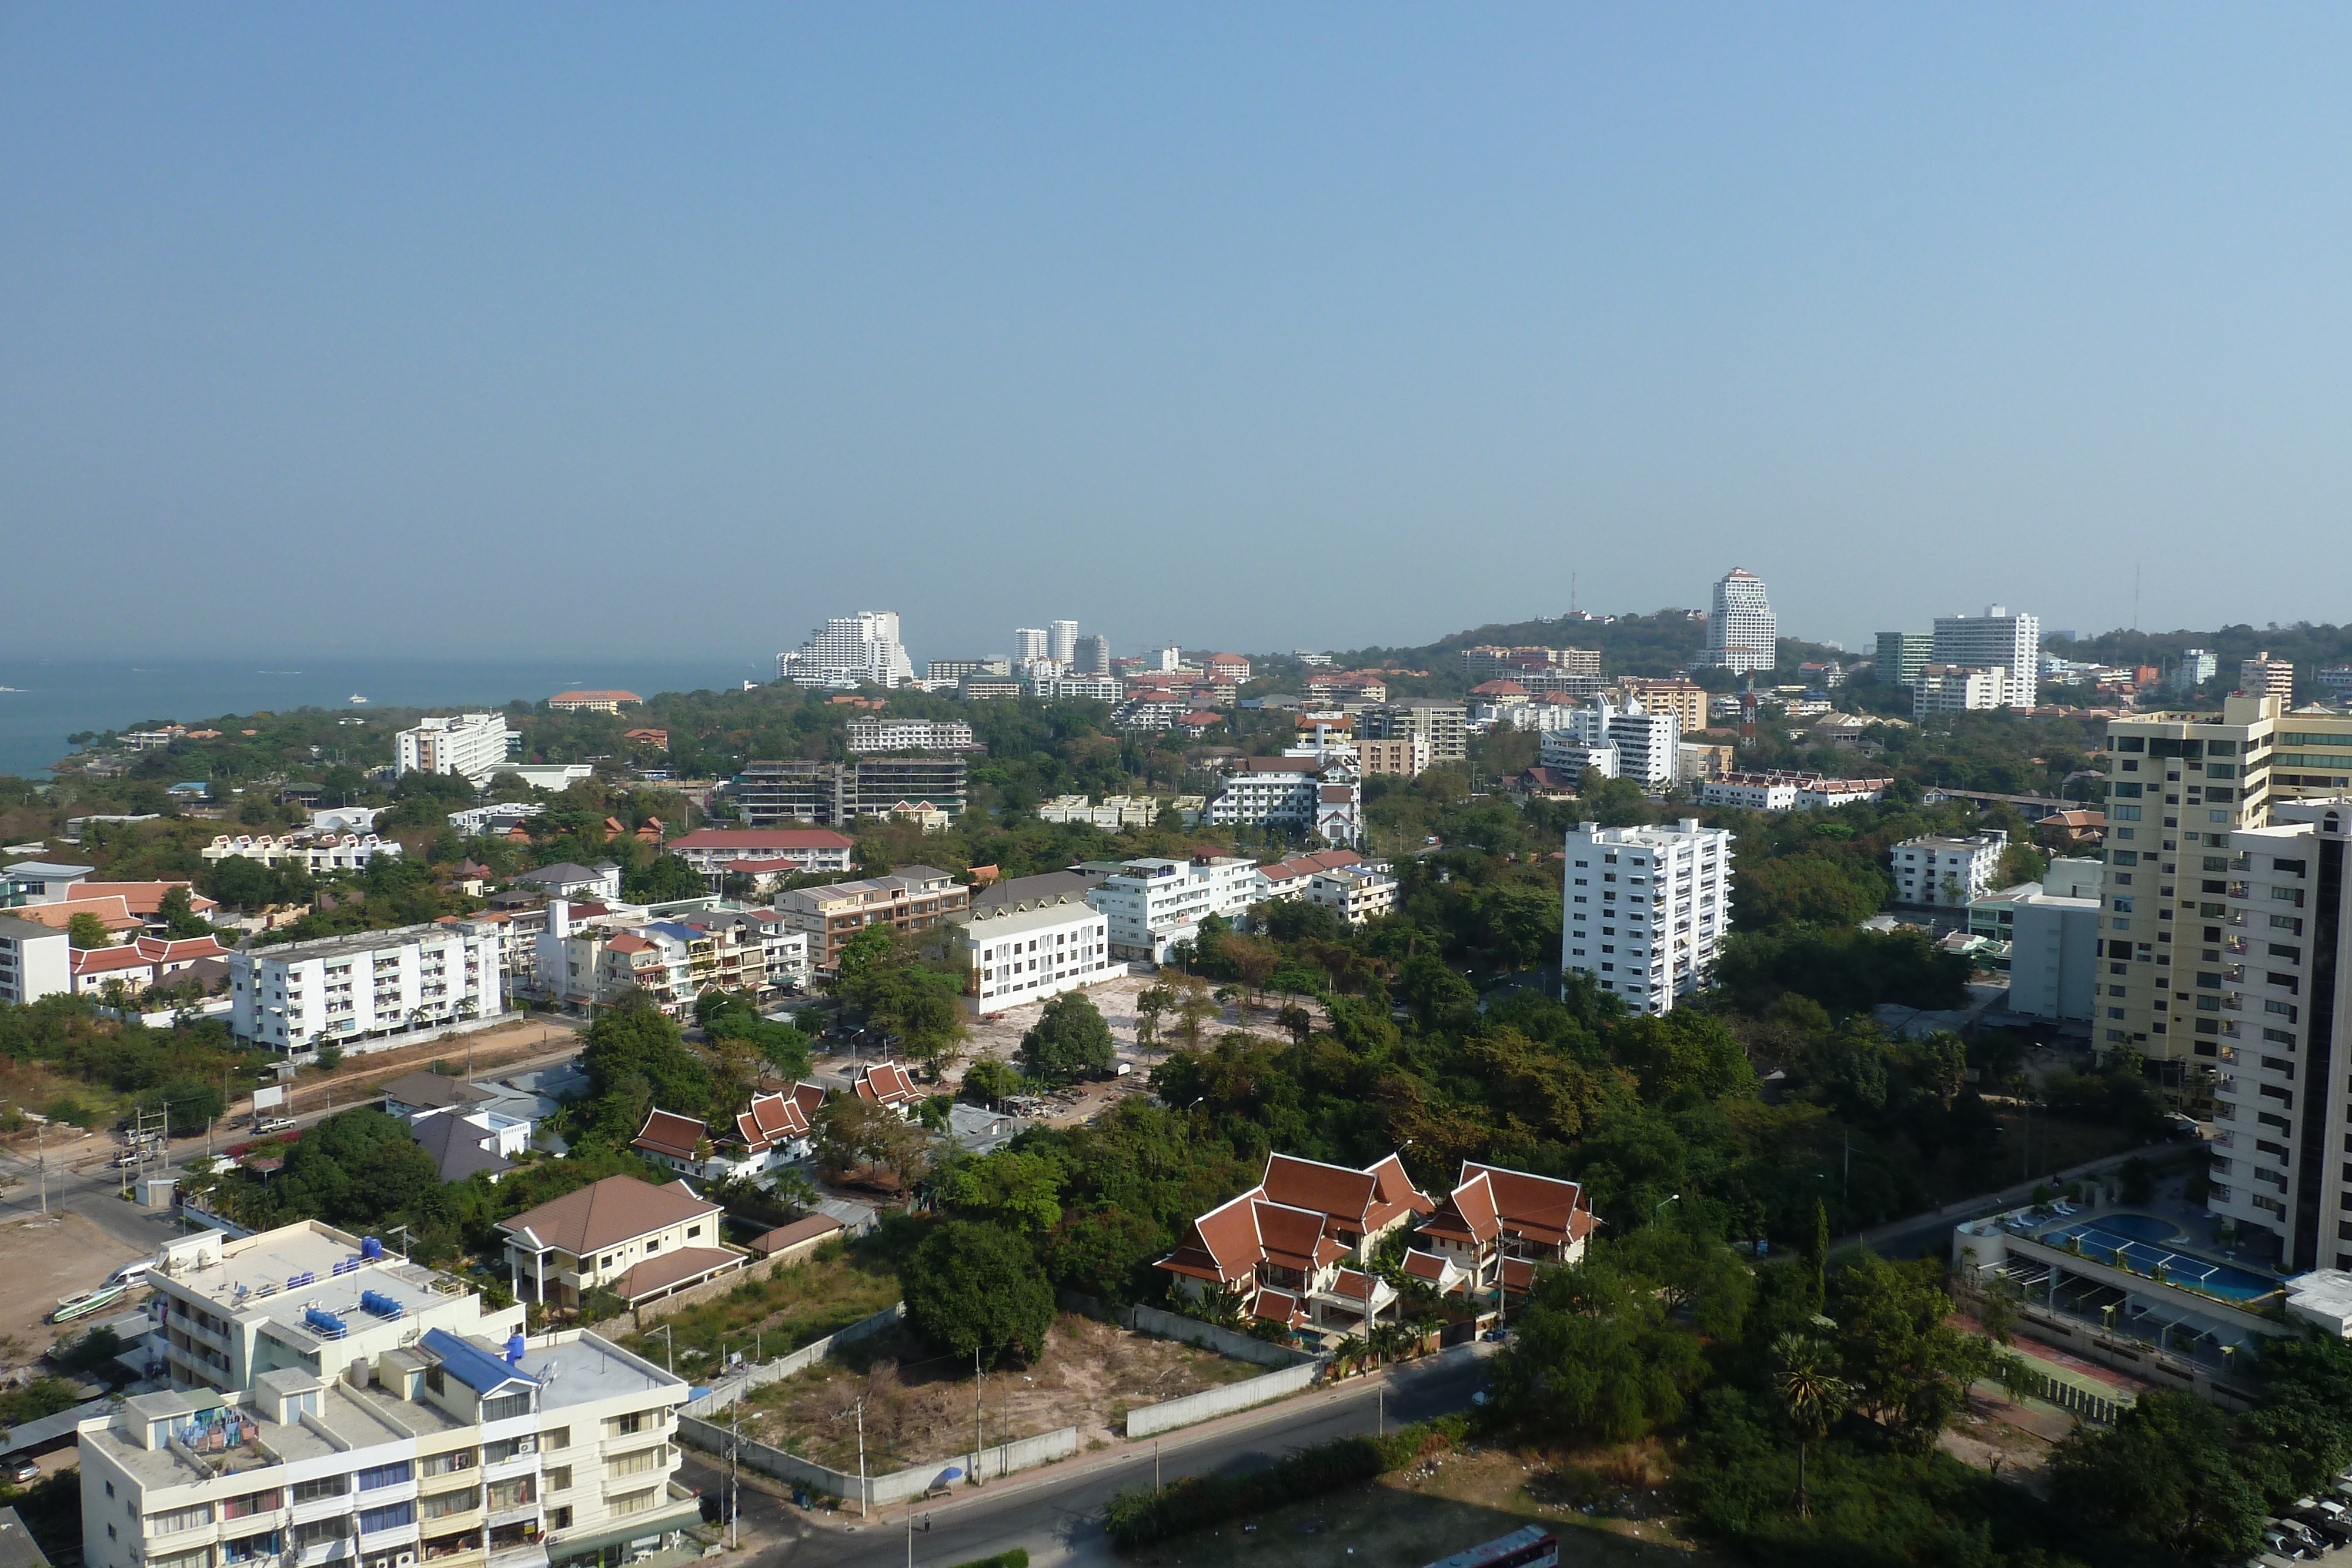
{"points": [[1062, 641], [849, 648], [1090, 655], [1995, 639], [1031, 643], [1742, 634]]}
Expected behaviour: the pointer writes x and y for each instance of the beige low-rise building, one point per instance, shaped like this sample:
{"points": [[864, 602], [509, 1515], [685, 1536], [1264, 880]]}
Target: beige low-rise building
{"points": [[634, 1239]]}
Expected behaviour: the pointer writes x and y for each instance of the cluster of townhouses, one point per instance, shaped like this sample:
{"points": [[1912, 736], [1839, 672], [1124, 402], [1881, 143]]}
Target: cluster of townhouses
{"points": [[1297, 1248], [331, 1401]]}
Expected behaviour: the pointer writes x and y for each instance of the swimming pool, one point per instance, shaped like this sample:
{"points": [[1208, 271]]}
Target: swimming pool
{"points": [[2137, 1241]]}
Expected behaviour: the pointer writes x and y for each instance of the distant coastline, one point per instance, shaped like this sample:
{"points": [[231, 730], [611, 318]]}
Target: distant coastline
{"points": [[42, 701]]}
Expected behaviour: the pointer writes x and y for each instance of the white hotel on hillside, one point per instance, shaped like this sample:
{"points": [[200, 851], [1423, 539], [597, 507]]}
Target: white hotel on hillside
{"points": [[372, 991], [1646, 909]]}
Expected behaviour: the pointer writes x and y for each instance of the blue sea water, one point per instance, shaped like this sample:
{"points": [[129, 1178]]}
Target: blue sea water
{"points": [[48, 699]]}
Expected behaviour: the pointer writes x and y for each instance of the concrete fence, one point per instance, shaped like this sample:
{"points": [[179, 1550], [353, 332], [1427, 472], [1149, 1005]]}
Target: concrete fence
{"points": [[896, 1486], [1263, 1389], [727, 1392], [2065, 1396], [1163, 1324]]}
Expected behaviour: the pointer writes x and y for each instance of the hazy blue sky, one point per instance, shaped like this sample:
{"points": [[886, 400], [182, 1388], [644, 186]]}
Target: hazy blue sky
{"points": [[394, 328]]}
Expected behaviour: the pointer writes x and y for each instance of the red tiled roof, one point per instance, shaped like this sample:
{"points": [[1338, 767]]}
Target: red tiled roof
{"points": [[1429, 1268], [605, 1213], [626, 943], [887, 1084], [798, 1233], [1354, 1284], [666, 1132], [664, 1270], [1278, 1307], [773, 1119], [1544, 1209], [1335, 1190], [105, 960]]}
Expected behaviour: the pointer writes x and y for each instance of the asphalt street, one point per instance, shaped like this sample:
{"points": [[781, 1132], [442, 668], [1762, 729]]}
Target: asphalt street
{"points": [[1053, 1513]]}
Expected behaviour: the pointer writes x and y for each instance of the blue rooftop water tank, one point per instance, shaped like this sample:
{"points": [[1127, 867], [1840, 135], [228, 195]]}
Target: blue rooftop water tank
{"points": [[514, 1351], [371, 1248]]}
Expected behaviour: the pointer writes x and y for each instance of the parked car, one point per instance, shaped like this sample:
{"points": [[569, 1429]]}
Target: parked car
{"points": [[24, 1468], [132, 1273], [2277, 1540], [275, 1124]]}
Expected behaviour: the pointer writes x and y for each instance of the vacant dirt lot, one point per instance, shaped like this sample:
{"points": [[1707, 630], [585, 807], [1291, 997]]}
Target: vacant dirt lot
{"points": [[1416, 1517], [919, 1406], [45, 1263], [771, 1314]]}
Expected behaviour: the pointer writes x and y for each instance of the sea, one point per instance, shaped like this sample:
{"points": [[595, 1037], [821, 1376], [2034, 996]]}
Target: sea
{"points": [[44, 700]]}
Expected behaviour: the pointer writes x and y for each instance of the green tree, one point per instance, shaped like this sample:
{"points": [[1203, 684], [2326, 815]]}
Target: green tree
{"points": [[179, 913], [1908, 1369], [637, 1061], [989, 1079], [86, 930], [1018, 1190], [1070, 1040], [356, 1168], [192, 1105], [2164, 1473], [1150, 1004], [1594, 1356], [1817, 1255], [1812, 1396], [977, 1288]]}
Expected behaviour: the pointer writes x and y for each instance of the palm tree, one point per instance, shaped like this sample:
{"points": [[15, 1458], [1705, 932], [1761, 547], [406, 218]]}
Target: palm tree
{"points": [[1811, 1395], [1349, 1354]]}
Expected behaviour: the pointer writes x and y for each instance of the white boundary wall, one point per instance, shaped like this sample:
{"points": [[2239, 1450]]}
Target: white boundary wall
{"points": [[1263, 1389]]}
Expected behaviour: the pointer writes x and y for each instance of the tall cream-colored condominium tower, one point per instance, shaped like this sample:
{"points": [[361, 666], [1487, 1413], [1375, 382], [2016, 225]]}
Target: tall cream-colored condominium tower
{"points": [[1742, 633], [2178, 785]]}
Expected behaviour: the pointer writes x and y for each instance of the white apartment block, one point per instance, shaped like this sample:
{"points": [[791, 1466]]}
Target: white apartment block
{"points": [[1012, 955], [850, 649], [36, 961], [1304, 794], [1937, 870], [473, 744], [1090, 655], [1356, 893], [791, 851], [379, 1416], [1152, 905], [1136, 717], [1781, 791], [1031, 643], [1062, 642], [1622, 742], [1444, 725], [2269, 969], [1646, 909], [1117, 811], [909, 734], [1742, 633], [1959, 688], [1077, 688], [1995, 639], [372, 991], [315, 853], [2264, 676]]}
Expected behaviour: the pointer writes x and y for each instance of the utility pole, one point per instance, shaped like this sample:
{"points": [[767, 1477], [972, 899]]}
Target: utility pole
{"points": [[1381, 1403], [41, 1158], [1155, 1467], [669, 1347], [734, 1472], [976, 1443]]}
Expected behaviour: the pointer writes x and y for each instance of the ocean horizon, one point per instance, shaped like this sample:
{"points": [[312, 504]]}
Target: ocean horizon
{"points": [[43, 700]]}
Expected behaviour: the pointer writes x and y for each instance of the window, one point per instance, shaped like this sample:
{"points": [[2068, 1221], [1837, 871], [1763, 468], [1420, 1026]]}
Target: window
{"points": [[498, 1453], [635, 1421], [252, 1546], [513, 1494], [635, 1463], [200, 1558], [389, 1475], [506, 1407], [390, 1516], [435, 1381], [250, 1504], [441, 1505], [184, 1518], [559, 1479], [632, 1502], [325, 1485], [319, 1530], [449, 1464]]}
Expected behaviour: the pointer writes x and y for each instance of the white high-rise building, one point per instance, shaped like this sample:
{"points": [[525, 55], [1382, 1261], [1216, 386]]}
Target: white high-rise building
{"points": [[1645, 909], [1994, 641], [2268, 967], [848, 650], [1090, 655], [1742, 633], [1062, 641], [1622, 742], [472, 744], [1153, 904], [376, 990], [1031, 643]]}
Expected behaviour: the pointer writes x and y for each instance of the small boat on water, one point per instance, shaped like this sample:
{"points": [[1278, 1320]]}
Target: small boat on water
{"points": [[82, 1304], [357, 698]]}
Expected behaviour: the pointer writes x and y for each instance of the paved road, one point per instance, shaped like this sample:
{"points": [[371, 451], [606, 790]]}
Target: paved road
{"points": [[81, 1177], [1054, 1512]]}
